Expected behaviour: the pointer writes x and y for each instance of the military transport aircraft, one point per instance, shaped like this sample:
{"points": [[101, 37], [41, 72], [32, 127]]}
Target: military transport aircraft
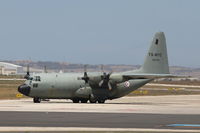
{"points": [[98, 87]]}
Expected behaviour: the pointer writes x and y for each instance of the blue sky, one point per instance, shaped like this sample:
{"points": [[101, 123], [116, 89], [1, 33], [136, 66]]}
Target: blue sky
{"points": [[98, 32]]}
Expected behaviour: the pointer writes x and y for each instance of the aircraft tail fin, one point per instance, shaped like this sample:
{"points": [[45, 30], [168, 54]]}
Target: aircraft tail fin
{"points": [[156, 61]]}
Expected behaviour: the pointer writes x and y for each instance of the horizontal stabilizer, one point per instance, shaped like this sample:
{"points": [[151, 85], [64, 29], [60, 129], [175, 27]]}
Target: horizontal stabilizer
{"points": [[152, 76]]}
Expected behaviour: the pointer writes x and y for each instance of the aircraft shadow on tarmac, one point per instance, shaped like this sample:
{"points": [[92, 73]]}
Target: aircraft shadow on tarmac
{"points": [[124, 103]]}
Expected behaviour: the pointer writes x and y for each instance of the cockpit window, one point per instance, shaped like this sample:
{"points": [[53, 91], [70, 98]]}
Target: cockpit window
{"points": [[37, 78]]}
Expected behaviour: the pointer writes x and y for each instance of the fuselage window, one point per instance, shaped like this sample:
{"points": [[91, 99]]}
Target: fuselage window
{"points": [[35, 85], [37, 78]]}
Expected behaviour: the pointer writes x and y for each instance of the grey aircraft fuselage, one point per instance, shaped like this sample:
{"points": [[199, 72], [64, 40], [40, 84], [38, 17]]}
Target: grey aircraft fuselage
{"points": [[69, 86], [98, 87]]}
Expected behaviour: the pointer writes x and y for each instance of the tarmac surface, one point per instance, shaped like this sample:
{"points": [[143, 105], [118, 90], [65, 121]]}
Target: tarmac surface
{"points": [[144, 113], [95, 120]]}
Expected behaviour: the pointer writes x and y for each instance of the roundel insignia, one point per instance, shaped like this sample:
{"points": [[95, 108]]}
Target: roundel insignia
{"points": [[127, 84]]}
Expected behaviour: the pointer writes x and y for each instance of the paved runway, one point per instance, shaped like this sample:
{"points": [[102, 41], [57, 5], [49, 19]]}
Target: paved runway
{"points": [[145, 113], [99, 120]]}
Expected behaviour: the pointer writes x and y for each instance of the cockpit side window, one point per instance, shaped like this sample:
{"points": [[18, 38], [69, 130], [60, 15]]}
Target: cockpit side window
{"points": [[35, 85], [37, 78]]}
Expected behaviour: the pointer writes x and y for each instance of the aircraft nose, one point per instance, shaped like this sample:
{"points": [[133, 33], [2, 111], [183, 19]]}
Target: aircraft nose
{"points": [[24, 89]]}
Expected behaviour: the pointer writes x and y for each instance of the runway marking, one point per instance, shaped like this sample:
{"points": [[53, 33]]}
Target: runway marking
{"points": [[60, 129], [184, 125]]}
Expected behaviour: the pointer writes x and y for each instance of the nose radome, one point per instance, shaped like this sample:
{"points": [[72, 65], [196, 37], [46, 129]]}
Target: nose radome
{"points": [[24, 89]]}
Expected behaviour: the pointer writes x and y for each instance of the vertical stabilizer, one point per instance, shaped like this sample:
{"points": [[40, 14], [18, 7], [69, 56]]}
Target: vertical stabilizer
{"points": [[156, 61]]}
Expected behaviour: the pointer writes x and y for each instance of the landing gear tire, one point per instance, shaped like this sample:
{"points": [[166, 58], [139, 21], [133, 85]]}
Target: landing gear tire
{"points": [[84, 101], [93, 101], [36, 100], [75, 100], [101, 101]]}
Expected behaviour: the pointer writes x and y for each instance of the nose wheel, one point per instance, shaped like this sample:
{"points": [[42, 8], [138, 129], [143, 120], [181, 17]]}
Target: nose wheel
{"points": [[36, 100]]}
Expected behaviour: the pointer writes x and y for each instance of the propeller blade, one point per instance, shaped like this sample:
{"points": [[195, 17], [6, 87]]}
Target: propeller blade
{"points": [[101, 83], [102, 68], [85, 68], [85, 76], [110, 73], [45, 69], [109, 85], [106, 80], [28, 72]]}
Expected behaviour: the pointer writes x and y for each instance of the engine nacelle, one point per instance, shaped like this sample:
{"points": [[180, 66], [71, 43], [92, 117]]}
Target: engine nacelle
{"points": [[83, 92]]}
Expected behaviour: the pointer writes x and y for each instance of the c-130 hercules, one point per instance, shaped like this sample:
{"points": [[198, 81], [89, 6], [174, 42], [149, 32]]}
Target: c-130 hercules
{"points": [[98, 87]]}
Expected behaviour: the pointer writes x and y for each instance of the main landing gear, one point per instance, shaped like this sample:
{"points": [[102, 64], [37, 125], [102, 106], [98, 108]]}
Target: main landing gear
{"points": [[36, 100], [86, 100], [101, 101], [80, 100]]}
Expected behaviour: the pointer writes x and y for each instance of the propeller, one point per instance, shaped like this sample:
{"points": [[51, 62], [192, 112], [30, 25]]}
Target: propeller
{"points": [[27, 73], [105, 79], [45, 69], [85, 76]]}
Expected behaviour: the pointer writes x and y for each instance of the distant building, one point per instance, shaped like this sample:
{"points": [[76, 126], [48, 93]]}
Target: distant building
{"points": [[8, 68]]}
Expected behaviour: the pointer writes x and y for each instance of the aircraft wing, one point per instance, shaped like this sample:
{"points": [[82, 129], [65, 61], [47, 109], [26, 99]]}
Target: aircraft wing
{"points": [[151, 76]]}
